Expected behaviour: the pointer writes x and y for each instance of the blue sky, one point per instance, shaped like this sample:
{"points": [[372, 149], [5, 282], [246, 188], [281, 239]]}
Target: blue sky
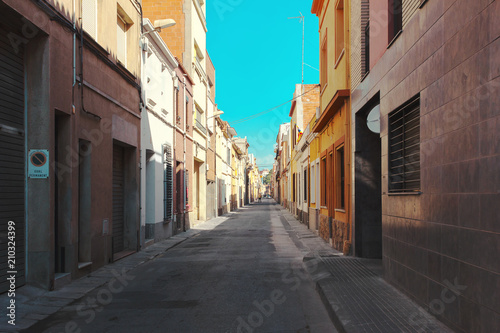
{"points": [[257, 54]]}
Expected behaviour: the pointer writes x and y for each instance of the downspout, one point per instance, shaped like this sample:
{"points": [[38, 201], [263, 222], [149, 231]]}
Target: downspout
{"points": [[184, 145], [81, 67], [74, 59], [175, 102]]}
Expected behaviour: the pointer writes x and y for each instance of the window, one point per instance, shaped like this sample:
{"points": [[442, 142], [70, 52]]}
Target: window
{"points": [[404, 148], [89, 17], [200, 119], [365, 37], [168, 183], [340, 179], [313, 184], [305, 185], [123, 23], [177, 108], [339, 30], [324, 61], [199, 56], [323, 181], [366, 49], [395, 18], [121, 39]]}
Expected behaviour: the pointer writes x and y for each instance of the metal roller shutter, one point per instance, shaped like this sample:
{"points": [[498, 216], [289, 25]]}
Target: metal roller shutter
{"points": [[118, 200], [12, 159], [168, 180]]}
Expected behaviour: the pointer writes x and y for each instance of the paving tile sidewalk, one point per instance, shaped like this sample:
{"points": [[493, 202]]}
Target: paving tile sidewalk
{"points": [[34, 304], [357, 298]]}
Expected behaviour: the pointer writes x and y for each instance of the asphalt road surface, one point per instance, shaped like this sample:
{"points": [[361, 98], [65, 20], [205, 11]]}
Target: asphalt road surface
{"points": [[244, 274]]}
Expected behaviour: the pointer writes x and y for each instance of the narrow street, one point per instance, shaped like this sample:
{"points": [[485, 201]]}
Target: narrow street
{"points": [[244, 273]]}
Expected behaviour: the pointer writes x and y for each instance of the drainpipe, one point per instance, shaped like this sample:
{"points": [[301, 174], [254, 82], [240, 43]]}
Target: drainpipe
{"points": [[74, 58], [184, 144], [81, 67], [174, 130]]}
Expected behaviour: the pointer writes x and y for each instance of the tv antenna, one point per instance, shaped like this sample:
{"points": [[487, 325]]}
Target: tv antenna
{"points": [[302, 20]]}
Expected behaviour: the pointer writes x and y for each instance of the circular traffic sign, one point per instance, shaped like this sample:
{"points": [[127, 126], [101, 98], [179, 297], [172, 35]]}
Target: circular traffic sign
{"points": [[38, 159]]}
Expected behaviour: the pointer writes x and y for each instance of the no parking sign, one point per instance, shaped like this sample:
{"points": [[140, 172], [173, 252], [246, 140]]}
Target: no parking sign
{"points": [[38, 163]]}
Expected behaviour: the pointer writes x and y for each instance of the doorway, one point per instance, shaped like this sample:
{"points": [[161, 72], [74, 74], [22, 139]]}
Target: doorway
{"points": [[368, 182]]}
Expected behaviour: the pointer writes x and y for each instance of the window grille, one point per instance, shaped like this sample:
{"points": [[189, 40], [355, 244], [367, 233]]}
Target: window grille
{"points": [[404, 148]]}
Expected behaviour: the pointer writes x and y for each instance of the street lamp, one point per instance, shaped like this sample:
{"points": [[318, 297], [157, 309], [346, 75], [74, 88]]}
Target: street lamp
{"points": [[216, 114], [160, 24]]}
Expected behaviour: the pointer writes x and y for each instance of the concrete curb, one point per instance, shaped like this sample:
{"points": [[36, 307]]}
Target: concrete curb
{"points": [[355, 295], [330, 306]]}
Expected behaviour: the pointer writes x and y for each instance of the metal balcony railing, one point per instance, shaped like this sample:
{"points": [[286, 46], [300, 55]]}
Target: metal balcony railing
{"points": [[201, 127]]}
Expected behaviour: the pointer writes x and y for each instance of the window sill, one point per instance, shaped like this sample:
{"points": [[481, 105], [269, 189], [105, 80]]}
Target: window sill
{"points": [[340, 210], [394, 39], [323, 207], [339, 58], [404, 193]]}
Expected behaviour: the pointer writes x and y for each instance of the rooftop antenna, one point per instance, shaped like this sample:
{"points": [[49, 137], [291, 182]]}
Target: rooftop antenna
{"points": [[302, 20]]}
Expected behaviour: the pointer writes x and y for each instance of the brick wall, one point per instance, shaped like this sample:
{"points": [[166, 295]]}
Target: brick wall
{"points": [[163, 9], [310, 102]]}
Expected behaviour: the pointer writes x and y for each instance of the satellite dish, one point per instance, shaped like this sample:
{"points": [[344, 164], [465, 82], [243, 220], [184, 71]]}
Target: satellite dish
{"points": [[373, 119]]}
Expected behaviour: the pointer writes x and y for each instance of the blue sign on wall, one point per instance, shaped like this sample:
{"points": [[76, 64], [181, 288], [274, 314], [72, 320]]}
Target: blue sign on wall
{"points": [[38, 163]]}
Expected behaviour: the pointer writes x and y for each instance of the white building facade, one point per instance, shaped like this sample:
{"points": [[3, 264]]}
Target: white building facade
{"points": [[159, 83]]}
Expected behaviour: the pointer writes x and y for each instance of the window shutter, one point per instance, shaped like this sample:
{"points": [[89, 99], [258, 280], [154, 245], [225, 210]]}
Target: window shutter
{"points": [[89, 17], [121, 40], [168, 182]]}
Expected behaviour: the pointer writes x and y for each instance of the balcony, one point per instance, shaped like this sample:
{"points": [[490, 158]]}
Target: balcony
{"points": [[200, 126]]}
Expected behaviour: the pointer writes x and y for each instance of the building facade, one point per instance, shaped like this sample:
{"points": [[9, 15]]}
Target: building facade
{"points": [[330, 151], [183, 153], [71, 108], [212, 112], [159, 89], [223, 166], [187, 40], [427, 73], [303, 110]]}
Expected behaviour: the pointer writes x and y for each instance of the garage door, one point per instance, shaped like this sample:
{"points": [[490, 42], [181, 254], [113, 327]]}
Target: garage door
{"points": [[118, 200], [12, 159]]}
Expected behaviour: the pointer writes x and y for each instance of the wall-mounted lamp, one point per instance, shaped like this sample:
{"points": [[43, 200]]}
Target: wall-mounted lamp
{"points": [[161, 24], [216, 114]]}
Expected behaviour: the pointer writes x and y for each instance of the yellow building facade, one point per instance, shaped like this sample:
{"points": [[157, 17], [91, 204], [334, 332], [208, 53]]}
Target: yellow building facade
{"points": [[330, 151]]}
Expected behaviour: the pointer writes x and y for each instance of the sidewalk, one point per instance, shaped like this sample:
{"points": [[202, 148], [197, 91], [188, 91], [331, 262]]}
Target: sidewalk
{"points": [[34, 304], [356, 296]]}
